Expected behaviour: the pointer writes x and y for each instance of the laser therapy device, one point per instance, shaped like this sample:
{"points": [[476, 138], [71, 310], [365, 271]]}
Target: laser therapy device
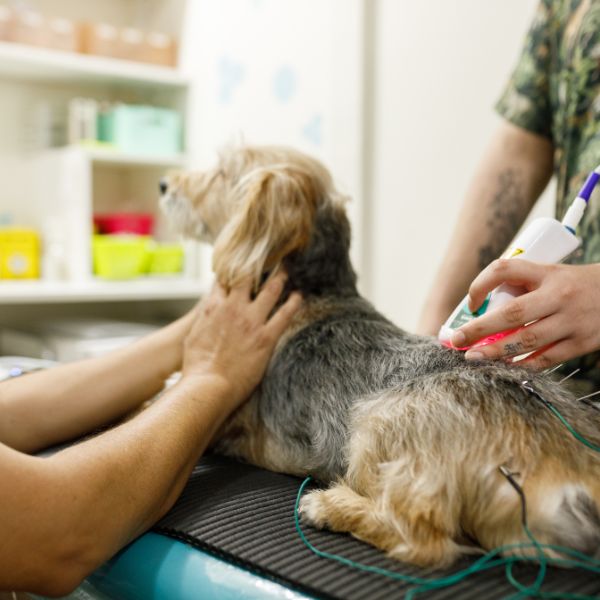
{"points": [[545, 240]]}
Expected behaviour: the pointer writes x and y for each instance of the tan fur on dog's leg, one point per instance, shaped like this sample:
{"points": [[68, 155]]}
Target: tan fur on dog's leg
{"points": [[426, 544], [341, 509], [414, 539]]}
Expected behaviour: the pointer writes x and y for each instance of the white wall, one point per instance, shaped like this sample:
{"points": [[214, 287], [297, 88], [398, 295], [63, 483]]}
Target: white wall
{"points": [[440, 66], [395, 96], [279, 72]]}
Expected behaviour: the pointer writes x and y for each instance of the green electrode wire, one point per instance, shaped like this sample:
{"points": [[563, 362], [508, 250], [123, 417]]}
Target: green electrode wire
{"points": [[527, 386], [491, 559], [574, 433]]}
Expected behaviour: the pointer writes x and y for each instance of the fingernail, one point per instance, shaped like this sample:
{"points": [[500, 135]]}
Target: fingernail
{"points": [[469, 302], [472, 355], [277, 281], [458, 339], [297, 299]]}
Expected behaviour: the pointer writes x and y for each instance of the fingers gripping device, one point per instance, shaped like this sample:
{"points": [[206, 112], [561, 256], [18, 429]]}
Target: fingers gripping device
{"points": [[545, 240]]}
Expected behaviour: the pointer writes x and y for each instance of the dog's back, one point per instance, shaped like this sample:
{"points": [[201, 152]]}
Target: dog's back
{"points": [[349, 355]]}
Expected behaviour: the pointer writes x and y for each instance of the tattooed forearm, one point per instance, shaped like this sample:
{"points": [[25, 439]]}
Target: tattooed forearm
{"points": [[506, 213]]}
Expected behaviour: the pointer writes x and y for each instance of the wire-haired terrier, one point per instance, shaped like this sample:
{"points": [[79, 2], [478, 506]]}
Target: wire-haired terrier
{"points": [[409, 436]]}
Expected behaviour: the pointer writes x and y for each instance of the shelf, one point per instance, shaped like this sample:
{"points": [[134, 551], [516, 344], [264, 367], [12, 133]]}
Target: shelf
{"points": [[19, 61], [114, 157], [42, 292]]}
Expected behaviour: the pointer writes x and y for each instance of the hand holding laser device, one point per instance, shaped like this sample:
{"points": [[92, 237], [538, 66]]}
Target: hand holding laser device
{"points": [[547, 241]]}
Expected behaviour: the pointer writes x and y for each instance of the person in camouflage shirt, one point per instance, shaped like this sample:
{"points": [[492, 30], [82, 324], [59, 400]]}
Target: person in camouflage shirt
{"points": [[551, 108], [555, 92]]}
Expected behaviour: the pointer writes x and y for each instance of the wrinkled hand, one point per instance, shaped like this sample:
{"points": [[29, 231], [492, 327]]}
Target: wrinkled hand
{"points": [[561, 305], [233, 338]]}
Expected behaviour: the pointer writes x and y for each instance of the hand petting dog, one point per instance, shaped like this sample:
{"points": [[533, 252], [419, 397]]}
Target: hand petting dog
{"points": [[557, 318], [238, 354]]}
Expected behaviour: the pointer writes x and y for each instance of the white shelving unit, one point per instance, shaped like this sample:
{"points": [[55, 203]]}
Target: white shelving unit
{"points": [[74, 182], [29, 63], [34, 292], [71, 183], [113, 157]]}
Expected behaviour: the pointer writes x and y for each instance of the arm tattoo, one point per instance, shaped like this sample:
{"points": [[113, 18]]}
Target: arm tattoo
{"points": [[513, 348], [505, 215]]}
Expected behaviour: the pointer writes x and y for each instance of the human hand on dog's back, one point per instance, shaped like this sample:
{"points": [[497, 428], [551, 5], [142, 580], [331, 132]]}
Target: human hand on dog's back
{"points": [[232, 337]]}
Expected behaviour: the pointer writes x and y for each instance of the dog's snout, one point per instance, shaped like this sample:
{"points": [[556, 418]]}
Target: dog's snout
{"points": [[163, 186]]}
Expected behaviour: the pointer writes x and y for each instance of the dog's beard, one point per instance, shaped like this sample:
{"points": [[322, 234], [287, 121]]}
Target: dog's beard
{"points": [[181, 215]]}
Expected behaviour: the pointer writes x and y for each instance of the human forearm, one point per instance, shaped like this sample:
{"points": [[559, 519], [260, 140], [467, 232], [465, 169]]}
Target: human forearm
{"points": [[104, 492], [52, 406], [511, 176], [60, 517]]}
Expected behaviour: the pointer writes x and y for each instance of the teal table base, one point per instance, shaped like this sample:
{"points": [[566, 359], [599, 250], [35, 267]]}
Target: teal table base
{"points": [[158, 568]]}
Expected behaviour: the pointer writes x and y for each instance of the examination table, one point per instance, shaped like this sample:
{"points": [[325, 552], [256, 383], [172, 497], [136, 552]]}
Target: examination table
{"points": [[231, 535]]}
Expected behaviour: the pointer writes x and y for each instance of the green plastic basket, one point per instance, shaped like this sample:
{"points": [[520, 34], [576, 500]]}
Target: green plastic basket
{"points": [[166, 259], [120, 256]]}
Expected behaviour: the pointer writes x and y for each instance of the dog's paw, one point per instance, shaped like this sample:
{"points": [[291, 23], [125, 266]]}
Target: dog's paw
{"points": [[312, 509]]}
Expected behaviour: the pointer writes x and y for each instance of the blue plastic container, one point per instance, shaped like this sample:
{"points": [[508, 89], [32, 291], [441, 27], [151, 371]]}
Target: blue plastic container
{"points": [[141, 129]]}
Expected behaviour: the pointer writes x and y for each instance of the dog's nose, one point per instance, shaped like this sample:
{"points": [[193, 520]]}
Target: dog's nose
{"points": [[163, 186]]}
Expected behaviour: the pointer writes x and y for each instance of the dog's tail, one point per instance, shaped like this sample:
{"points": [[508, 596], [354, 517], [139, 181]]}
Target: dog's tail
{"points": [[575, 521], [549, 487], [560, 512]]}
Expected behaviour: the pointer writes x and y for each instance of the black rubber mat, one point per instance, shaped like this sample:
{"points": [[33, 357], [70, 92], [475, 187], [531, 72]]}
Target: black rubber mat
{"points": [[245, 515]]}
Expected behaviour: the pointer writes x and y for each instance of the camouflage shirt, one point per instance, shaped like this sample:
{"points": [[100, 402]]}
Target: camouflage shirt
{"points": [[555, 92]]}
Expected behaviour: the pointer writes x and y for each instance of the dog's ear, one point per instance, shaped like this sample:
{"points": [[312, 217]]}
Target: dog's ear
{"points": [[275, 208]]}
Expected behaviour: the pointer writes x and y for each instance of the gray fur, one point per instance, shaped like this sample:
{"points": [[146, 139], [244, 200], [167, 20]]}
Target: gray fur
{"points": [[354, 352], [577, 525]]}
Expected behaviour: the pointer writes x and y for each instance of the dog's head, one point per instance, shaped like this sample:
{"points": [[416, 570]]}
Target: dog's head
{"points": [[257, 206]]}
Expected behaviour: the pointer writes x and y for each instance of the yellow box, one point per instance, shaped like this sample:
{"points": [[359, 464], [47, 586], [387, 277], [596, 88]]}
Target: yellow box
{"points": [[19, 253]]}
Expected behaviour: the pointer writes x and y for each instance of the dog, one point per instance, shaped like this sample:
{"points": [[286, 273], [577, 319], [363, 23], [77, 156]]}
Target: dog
{"points": [[413, 442]]}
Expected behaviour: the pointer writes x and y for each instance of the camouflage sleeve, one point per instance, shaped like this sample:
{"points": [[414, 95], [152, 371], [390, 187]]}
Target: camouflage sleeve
{"points": [[525, 101]]}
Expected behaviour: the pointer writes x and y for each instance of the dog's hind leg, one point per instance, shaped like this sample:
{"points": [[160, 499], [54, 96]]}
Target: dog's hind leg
{"points": [[427, 528], [399, 463], [408, 533], [340, 508]]}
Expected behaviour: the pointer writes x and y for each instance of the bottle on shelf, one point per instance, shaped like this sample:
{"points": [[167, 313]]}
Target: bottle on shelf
{"points": [[54, 252]]}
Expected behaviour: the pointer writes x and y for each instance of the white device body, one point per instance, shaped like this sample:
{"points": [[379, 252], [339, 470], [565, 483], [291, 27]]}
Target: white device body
{"points": [[545, 240]]}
